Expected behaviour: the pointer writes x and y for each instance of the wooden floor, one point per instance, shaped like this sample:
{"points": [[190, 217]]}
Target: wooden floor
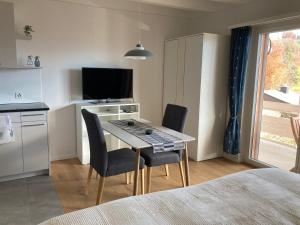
{"points": [[70, 177]]}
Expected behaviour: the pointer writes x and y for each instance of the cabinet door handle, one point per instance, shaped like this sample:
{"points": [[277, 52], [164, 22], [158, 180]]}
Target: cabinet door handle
{"points": [[33, 115], [33, 125]]}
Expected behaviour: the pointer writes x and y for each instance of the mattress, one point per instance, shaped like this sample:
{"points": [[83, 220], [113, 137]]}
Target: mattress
{"points": [[259, 196]]}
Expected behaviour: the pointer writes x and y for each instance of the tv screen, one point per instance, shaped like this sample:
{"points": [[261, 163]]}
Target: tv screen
{"points": [[106, 83]]}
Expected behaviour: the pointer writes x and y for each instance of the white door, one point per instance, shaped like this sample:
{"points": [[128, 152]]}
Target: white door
{"points": [[192, 84], [11, 161], [181, 71], [35, 146]]}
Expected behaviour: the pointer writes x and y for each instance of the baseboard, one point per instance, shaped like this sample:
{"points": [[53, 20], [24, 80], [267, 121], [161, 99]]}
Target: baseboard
{"points": [[24, 175], [207, 157], [62, 157], [234, 158]]}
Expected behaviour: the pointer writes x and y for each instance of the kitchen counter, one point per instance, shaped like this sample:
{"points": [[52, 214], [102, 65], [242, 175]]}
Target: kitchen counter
{"points": [[23, 107]]}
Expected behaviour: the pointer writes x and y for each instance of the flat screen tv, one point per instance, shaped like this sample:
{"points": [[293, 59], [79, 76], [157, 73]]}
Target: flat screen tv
{"points": [[106, 83]]}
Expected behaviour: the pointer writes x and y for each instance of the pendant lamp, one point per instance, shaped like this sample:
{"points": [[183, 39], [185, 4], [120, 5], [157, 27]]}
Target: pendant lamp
{"points": [[139, 52]]}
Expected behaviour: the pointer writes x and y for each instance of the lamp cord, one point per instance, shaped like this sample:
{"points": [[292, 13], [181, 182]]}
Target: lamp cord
{"points": [[139, 23]]}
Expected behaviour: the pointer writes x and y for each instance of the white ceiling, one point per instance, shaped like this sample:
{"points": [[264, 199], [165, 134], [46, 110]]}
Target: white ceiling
{"points": [[196, 5]]}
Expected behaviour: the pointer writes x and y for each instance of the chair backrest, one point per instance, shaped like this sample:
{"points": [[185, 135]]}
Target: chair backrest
{"points": [[295, 123], [98, 150], [174, 117]]}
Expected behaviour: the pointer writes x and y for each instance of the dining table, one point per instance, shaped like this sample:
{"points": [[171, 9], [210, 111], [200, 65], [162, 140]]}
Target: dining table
{"points": [[138, 144]]}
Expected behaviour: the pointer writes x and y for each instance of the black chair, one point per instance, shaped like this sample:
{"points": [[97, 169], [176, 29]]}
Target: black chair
{"points": [[105, 163], [174, 118]]}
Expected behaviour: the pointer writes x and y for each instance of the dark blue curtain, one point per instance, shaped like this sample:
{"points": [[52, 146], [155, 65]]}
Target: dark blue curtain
{"points": [[239, 52]]}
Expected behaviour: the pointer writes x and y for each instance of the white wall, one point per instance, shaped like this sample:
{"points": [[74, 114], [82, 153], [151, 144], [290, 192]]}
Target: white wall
{"points": [[265, 10], [69, 36], [12, 83]]}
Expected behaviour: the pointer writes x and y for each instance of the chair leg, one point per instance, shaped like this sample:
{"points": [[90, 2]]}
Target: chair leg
{"points": [[89, 180], [167, 169], [181, 173], [149, 171], [143, 181], [128, 177], [100, 190], [131, 177]]}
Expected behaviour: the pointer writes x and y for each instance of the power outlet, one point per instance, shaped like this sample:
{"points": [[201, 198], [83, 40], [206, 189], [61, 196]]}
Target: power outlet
{"points": [[18, 95]]}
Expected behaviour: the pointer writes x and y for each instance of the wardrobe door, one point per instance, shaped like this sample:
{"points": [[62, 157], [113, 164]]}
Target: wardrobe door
{"points": [[170, 72], [180, 71], [213, 95], [192, 84]]}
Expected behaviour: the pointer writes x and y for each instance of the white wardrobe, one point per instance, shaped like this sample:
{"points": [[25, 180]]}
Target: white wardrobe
{"points": [[196, 76]]}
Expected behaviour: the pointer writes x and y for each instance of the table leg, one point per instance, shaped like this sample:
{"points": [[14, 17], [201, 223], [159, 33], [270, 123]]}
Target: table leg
{"points": [[136, 174], [142, 181], [187, 171]]}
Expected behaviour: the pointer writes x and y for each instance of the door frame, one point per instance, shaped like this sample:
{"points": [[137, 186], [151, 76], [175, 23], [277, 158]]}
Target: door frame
{"points": [[248, 114]]}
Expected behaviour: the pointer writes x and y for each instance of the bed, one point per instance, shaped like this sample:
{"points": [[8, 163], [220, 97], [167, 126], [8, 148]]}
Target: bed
{"points": [[259, 196]]}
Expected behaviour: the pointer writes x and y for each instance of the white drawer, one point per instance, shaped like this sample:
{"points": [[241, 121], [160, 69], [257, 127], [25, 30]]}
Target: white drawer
{"points": [[33, 116], [34, 124], [15, 117]]}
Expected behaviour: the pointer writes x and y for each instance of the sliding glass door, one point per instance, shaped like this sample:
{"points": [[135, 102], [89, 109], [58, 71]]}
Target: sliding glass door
{"points": [[277, 100]]}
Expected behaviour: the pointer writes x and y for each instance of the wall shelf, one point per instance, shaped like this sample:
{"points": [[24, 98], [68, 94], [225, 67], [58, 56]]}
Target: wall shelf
{"points": [[107, 114], [130, 113], [23, 37], [20, 68]]}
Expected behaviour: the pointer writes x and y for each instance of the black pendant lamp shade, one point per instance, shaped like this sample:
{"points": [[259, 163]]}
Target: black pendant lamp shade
{"points": [[138, 53]]}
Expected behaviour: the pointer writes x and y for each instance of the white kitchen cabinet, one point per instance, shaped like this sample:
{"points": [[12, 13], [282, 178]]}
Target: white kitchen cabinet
{"points": [[28, 155], [35, 146], [8, 53], [195, 76], [11, 159]]}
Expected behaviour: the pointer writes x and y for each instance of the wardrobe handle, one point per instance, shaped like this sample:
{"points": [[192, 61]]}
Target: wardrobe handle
{"points": [[34, 125]]}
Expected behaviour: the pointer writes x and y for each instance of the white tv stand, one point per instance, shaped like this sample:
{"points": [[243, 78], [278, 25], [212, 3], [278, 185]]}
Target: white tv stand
{"points": [[106, 112]]}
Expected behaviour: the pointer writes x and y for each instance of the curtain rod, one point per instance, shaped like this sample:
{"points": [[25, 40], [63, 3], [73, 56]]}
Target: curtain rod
{"points": [[269, 20]]}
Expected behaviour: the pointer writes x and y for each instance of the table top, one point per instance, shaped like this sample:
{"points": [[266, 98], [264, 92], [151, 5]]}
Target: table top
{"points": [[138, 143]]}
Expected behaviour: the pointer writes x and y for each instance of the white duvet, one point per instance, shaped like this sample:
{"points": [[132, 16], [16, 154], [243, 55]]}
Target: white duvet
{"points": [[260, 196]]}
